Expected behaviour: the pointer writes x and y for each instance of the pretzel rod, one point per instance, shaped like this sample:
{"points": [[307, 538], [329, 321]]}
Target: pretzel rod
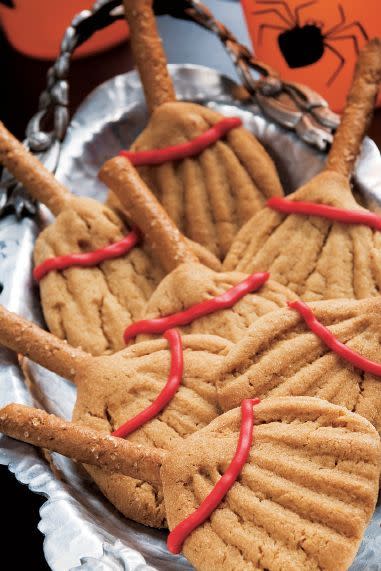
{"points": [[43, 348], [358, 110], [163, 237], [148, 52], [80, 443], [28, 170]]}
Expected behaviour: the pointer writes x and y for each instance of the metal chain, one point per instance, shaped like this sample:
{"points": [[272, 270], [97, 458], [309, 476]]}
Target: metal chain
{"points": [[55, 98], [47, 128], [291, 105]]}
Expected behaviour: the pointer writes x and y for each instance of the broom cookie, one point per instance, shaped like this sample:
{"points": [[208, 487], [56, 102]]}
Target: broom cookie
{"points": [[95, 273], [318, 241], [188, 284], [295, 492], [210, 174], [113, 389], [327, 349], [300, 502]]}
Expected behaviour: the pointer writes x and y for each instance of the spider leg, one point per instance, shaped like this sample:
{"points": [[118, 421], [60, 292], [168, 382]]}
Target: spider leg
{"points": [[274, 11], [347, 37], [355, 24], [342, 20], [340, 66], [282, 3], [300, 7], [262, 28]]}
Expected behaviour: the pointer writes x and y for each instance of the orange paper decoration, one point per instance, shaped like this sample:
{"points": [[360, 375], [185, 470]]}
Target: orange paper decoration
{"points": [[36, 27], [314, 42]]}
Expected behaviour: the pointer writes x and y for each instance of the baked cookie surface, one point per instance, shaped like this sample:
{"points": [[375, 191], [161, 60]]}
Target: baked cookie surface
{"points": [[211, 196], [281, 356], [315, 257], [190, 284], [90, 307], [111, 390], [302, 500]]}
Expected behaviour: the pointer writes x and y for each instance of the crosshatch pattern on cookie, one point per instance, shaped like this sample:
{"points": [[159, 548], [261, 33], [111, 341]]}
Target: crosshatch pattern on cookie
{"points": [[280, 356], [192, 283]]}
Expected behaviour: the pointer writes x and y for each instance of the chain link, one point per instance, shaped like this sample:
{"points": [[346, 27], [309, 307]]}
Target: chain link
{"points": [[47, 128], [291, 105], [54, 101], [241, 56]]}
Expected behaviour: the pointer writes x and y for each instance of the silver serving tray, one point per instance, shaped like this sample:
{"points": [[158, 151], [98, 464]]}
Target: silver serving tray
{"points": [[82, 530]]}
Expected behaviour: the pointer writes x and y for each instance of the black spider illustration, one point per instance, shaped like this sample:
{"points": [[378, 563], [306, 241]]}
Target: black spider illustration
{"points": [[303, 45]]}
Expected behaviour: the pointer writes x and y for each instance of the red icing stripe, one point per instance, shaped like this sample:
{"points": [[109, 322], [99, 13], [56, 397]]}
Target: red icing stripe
{"points": [[179, 534], [173, 382], [89, 258], [331, 212], [183, 150], [334, 344], [223, 301]]}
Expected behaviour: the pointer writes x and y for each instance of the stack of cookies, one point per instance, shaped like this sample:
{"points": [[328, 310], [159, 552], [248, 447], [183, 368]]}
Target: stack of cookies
{"points": [[228, 370]]}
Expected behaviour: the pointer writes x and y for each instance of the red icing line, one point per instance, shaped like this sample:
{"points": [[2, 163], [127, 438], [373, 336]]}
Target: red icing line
{"points": [[184, 150], [334, 344], [331, 212], [89, 258], [179, 534], [223, 301], [173, 382]]}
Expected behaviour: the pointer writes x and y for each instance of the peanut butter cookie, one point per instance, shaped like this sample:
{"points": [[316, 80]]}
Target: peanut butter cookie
{"points": [[302, 500], [321, 257]]}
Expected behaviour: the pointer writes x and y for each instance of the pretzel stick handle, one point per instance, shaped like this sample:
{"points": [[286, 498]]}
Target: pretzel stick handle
{"points": [[25, 337], [148, 52], [32, 174], [358, 110], [80, 443], [162, 235]]}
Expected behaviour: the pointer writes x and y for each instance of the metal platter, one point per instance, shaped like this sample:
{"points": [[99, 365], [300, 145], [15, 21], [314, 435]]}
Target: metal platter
{"points": [[82, 530]]}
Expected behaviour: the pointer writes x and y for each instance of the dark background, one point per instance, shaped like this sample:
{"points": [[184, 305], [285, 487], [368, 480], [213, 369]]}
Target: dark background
{"points": [[22, 80]]}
